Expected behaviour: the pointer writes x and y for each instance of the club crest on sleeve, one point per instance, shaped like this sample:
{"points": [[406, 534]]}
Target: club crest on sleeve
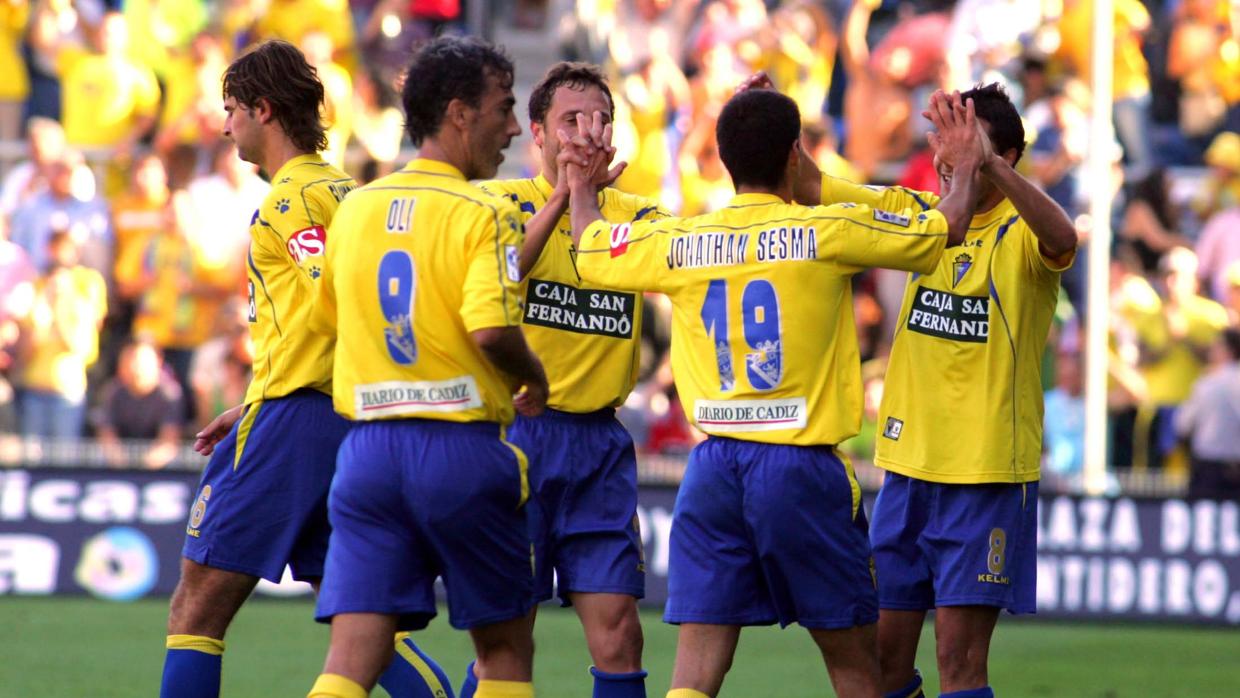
{"points": [[310, 242], [620, 239], [512, 261], [891, 218]]}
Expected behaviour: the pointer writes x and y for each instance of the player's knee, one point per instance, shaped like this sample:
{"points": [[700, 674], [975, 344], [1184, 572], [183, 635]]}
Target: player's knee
{"points": [[961, 664], [206, 599], [616, 642]]}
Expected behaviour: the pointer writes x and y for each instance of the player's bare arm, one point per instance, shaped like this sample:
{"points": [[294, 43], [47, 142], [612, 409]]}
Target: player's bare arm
{"points": [[505, 347], [583, 168], [216, 430]]}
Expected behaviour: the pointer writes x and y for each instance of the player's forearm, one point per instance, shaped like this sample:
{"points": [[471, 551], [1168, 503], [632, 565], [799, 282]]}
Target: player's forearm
{"points": [[1044, 217], [957, 207], [538, 229], [583, 206], [506, 349], [807, 189]]}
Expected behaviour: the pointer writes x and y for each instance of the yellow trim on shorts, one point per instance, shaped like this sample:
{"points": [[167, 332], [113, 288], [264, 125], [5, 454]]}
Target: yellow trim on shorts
{"points": [[243, 431], [522, 462], [852, 480], [424, 670]]}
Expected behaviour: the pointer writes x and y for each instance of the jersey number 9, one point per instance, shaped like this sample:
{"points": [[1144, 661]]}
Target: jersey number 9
{"points": [[397, 287], [760, 320]]}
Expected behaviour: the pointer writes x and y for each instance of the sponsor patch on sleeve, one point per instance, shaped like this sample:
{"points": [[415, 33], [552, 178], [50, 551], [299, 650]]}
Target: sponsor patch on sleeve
{"points": [[893, 428], [891, 218], [620, 239], [310, 242]]}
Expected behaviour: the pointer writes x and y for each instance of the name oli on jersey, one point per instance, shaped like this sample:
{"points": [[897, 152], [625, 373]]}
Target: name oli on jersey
{"points": [[583, 310], [949, 316]]}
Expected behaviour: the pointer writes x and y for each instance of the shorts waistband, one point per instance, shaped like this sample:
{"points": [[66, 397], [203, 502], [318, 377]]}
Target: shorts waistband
{"points": [[605, 414]]}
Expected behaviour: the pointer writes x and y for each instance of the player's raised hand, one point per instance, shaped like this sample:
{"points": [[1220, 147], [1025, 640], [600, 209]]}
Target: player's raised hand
{"points": [[216, 430], [956, 136], [597, 134], [758, 81]]}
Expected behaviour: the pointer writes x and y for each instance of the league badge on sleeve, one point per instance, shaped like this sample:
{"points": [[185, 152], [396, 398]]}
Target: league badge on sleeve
{"points": [[890, 218], [893, 428], [512, 261]]}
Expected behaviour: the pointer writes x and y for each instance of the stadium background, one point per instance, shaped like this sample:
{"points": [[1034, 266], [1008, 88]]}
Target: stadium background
{"points": [[105, 372]]}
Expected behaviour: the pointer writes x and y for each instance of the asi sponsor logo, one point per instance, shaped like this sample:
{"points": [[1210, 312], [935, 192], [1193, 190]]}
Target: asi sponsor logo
{"points": [[582, 310], [949, 316], [620, 239], [311, 242]]}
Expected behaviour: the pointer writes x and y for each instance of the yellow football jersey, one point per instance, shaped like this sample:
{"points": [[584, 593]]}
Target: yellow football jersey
{"points": [[419, 259], [287, 241], [589, 339], [962, 401], [763, 342]]}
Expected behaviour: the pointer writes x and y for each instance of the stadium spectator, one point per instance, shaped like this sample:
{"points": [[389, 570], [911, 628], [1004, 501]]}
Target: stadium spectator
{"points": [[985, 36], [379, 127], [1221, 188], [190, 114], [1064, 421], [1209, 79], [109, 101], [17, 276], [15, 88], [138, 216], [877, 110], [1218, 248], [58, 208], [62, 331], [1232, 297], [142, 402], [220, 372], [223, 200], [1150, 222], [54, 23], [45, 144], [292, 20], [1210, 420], [337, 91], [178, 299]]}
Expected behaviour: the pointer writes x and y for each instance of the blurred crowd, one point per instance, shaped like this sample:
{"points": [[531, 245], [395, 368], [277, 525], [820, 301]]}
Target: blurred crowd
{"points": [[123, 221]]}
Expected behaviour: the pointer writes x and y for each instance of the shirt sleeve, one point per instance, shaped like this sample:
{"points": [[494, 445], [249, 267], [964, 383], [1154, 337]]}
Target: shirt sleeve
{"points": [[860, 236], [624, 256], [300, 221], [841, 191], [322, 317], [491, 296]]}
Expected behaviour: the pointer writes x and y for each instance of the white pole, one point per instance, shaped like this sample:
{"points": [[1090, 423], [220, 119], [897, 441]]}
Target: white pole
{"points": [[1098, 183]]}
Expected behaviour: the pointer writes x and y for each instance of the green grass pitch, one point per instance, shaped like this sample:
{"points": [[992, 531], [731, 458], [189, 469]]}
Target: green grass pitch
{"points": [[74, 647]]}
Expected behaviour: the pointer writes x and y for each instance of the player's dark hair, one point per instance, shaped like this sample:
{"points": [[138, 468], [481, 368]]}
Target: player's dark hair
{"points": [[992, 104], [756, 131], [278, 72], [577, 76], [444, 69]]}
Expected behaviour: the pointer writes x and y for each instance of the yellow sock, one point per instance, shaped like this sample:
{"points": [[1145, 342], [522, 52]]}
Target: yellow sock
{"points": [[685, 693], [337, 686], [488, 688], [197, 643]]}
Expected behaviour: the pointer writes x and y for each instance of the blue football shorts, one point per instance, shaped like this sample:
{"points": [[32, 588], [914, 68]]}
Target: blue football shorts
{"points": [[262, 502], [415, 499], [583, 503], [955, 545], [765, 533]]}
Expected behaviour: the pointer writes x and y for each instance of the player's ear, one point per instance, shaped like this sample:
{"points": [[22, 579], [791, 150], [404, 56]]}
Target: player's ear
{"points": [[458, 114], [538, 133], [262, 110], [1011, 156]]}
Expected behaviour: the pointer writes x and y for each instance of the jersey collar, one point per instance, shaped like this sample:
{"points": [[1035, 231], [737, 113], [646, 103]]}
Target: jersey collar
{"points": [[985, 219], [435, 167], [753, 199], [294, 162]]}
